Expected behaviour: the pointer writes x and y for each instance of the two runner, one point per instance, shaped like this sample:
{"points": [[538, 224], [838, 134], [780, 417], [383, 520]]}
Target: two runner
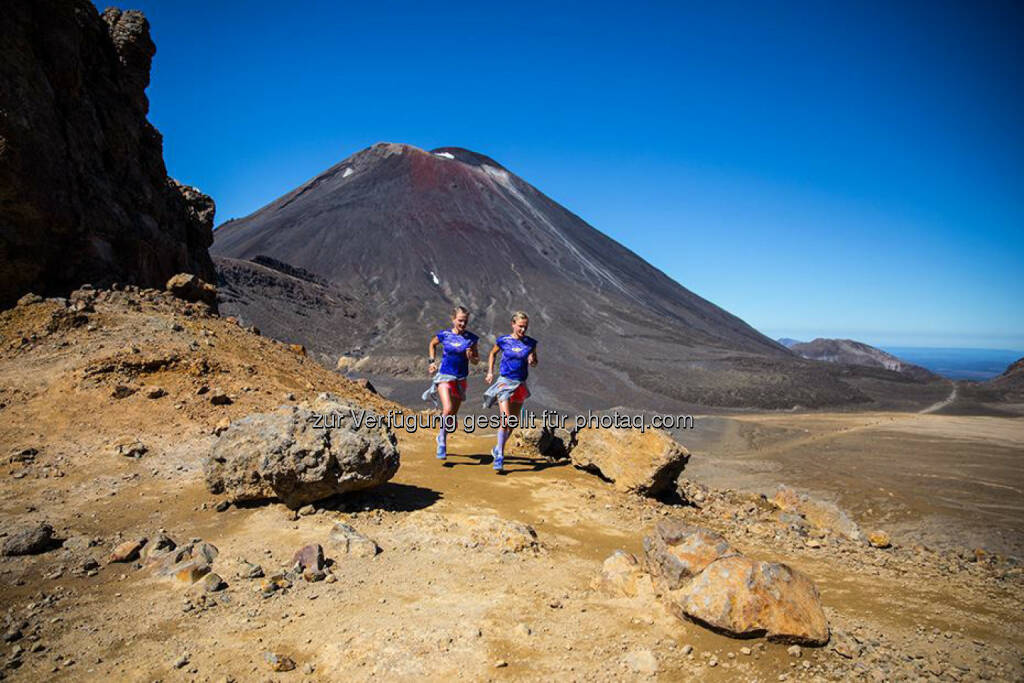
{"points": [[518, 352]]}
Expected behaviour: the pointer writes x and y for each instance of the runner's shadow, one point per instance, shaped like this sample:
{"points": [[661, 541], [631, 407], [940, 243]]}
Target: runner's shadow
{"points": [[519, 463]]}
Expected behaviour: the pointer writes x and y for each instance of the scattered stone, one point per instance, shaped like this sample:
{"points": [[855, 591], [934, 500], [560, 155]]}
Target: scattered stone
{"points": [[181, 662], [129, 448], [209, 583], [278, 662], [12, 634], [845, 645], [274, 583], [250, 571], [219, 398], [222, 506], [192, 288], [298, 349], [307, 510], [647, 462], [794, 651], [122, 391], [310, 563], [284, 454], [221, 426], [345, 539], [745, 651], [692, 492], [500, 664], [879, 539], [154, 392], [127, 551], [642, 661], [30, 540]]}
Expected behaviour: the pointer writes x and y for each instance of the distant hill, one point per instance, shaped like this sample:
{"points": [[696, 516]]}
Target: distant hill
{"points": [[850, 352], [1011, 383], [788, 342]]}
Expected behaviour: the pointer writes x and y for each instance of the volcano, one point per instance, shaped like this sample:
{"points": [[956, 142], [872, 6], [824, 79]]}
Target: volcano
{"points": [[363, 263]]}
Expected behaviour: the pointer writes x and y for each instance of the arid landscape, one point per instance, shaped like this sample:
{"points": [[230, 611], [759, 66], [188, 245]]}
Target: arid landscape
{"points": [[478, 576]]}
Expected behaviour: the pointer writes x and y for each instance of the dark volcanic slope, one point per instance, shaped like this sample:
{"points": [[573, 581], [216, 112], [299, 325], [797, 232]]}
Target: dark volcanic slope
{"points": [[858, 353], [409, 233]]}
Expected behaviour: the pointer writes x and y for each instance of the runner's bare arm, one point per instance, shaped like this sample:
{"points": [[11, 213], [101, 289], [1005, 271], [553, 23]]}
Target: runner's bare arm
{"points": [[473, 354], [433, 358], [490, 363], [532, 360]]}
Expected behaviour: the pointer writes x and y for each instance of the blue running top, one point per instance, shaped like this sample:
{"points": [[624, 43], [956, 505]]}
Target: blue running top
{"points": [[455, 362], [514, 354]]}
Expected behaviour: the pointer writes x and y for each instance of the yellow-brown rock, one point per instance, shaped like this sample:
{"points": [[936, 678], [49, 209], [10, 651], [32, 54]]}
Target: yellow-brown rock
{"points": [[644, 462]]}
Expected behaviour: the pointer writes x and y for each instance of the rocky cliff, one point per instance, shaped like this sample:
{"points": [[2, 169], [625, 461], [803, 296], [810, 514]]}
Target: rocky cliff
{"points": [[84, 193]]}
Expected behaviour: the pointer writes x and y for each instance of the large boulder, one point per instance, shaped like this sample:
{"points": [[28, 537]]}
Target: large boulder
{"points": [[820, 514], [703, 578], [635, 461], [84, 193], [742, 597], [676, 552], [300, 454]]}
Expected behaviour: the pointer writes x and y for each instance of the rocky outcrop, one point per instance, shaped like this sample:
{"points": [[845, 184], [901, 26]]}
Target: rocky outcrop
{"points": [[647, 462], [84, 193], [300, 454]]}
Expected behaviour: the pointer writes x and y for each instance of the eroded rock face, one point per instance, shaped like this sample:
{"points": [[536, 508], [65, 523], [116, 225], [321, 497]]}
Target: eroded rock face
{"points": [[647, 463], [84, 193], [744, 597], [297, 456]]}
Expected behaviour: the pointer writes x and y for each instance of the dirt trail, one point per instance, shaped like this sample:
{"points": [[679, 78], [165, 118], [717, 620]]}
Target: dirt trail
{"points": [[943, 403]]}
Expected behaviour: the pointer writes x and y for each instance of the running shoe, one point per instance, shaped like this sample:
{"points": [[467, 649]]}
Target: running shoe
{"points": [[499, 459], [442, 450]]}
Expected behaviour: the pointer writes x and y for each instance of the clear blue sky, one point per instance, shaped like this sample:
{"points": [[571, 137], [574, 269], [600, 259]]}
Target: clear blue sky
{"points": [[818, 169]]}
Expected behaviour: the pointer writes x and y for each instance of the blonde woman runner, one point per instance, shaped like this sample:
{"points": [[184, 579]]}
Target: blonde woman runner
{"points": [[518, 352]]}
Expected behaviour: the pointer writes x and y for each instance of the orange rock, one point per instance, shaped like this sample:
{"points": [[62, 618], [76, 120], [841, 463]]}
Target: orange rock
{"points": [[742, 597], [676, 552], [646, 462], [879, 539], [127, 551]]}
